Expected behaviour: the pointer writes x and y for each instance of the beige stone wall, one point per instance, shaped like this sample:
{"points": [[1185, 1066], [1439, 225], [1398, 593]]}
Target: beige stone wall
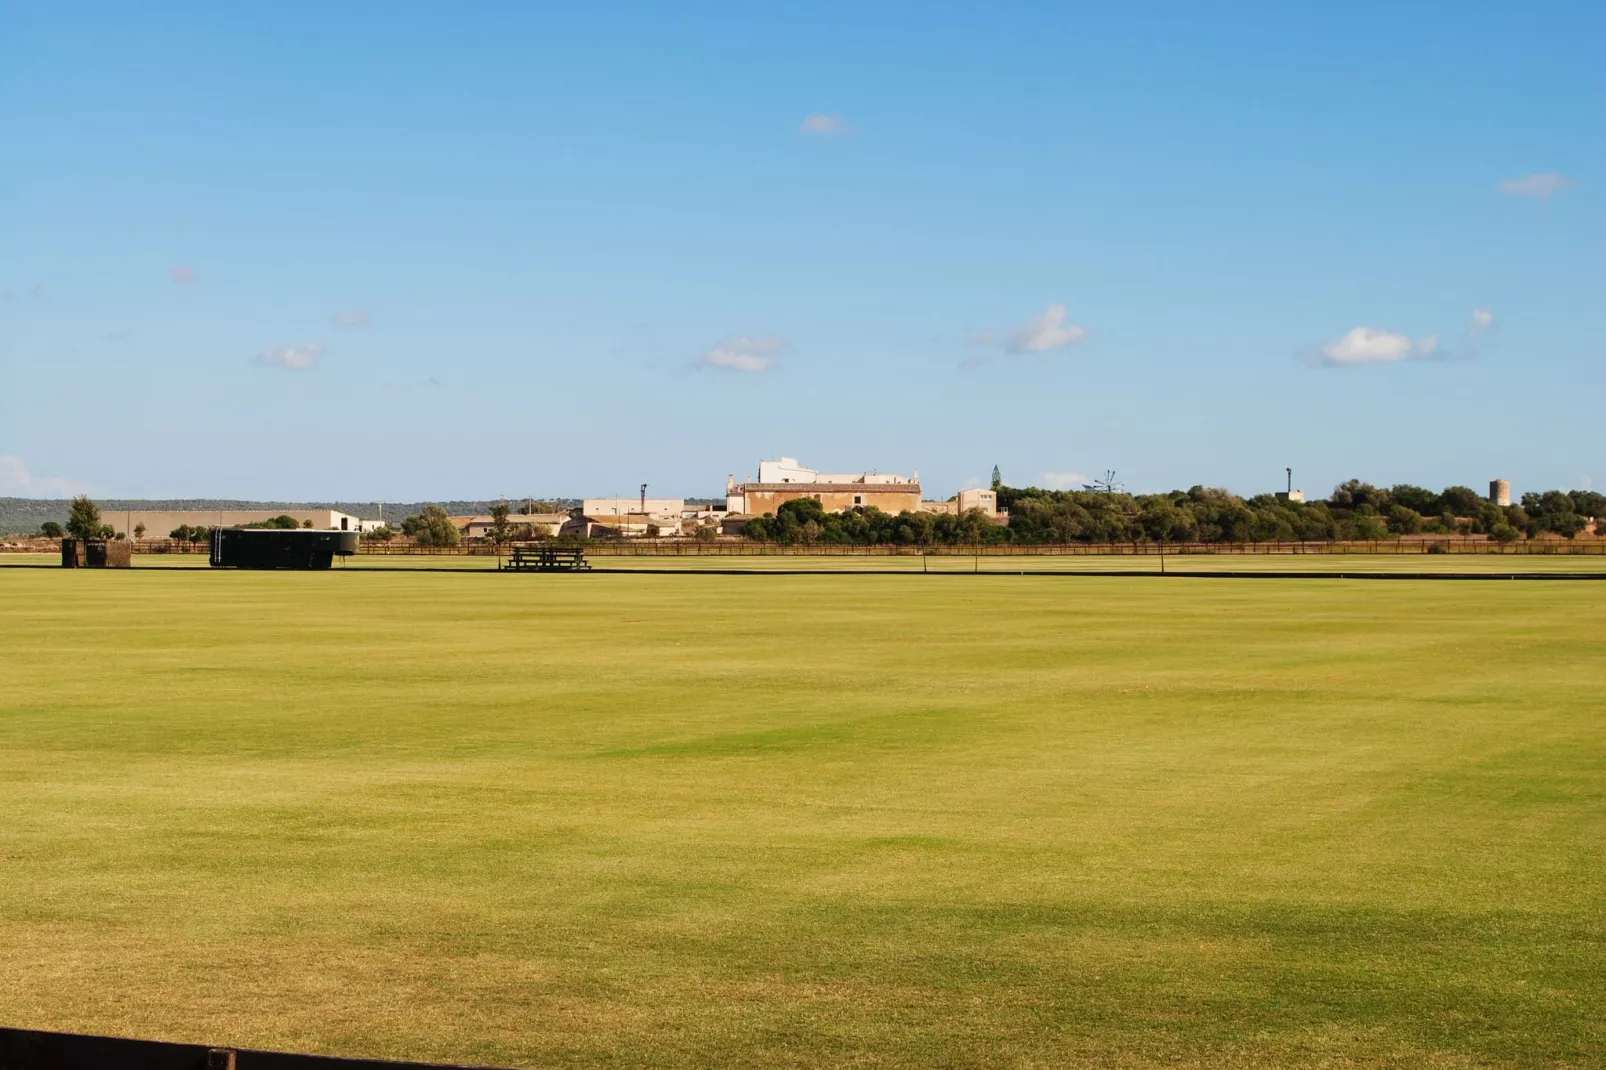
{"points": [[984, 499], [834, 497], [158, 523]]}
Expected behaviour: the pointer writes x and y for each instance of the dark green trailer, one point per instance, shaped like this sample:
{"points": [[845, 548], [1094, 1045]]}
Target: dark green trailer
{"points": [[279, 547]]}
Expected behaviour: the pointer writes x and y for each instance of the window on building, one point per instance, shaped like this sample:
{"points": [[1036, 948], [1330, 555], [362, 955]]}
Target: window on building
{"points": [[858, 499]]}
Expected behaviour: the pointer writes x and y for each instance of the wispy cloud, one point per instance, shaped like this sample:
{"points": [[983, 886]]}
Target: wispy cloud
{"points": [[295, 358], [1542, 184], [745, 353], [183, 274], [1040, 334], [1368, 345], [1064, 480], [1045, 333], [824, 125], [352, 319], [1374, 345], [16, 479]]}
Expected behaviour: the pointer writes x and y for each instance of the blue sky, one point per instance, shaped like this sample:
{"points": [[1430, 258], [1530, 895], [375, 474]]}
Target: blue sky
{"points": [[402, 251]]}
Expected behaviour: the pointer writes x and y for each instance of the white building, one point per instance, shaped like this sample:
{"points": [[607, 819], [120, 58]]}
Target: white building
{"points": [[787, 470], [157, 523], [636, 516]]}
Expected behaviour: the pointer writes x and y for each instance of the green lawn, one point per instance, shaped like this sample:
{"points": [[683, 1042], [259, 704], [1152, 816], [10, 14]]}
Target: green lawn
{"points": [[645, 820]]}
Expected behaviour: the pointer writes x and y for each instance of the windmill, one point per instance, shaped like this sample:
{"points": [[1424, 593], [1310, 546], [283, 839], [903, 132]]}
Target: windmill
{"points": [[1108, 485]]}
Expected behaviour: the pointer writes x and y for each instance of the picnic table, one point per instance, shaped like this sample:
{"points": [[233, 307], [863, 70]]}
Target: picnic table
{"points": [[549, 559]]}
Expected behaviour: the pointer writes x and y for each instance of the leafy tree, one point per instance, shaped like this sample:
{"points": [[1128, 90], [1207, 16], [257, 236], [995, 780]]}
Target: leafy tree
{"points": [[1462, 501], [1588, 503], [1403, 521], [139, 530], [51, 530], [180, 533], [432, 527], [380, 534], [83, 518], [283, 521], [1504, 533], [1419, 500], [998, 478], [501, 532], [1553, 511]]}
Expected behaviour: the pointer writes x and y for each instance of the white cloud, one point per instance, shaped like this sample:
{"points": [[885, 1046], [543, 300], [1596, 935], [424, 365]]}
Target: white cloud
{"points": [[17, 480], [1064, 480], [1482, 320], [745, 353], [824, 124], [1427, 347], [295, 358], [1042, 334], [1538, 185], [183, 274], [1366, 345], [352, 319]]}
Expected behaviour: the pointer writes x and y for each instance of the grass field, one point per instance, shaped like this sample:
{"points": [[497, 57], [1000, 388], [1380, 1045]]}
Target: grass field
{"points": [[647, 820]]}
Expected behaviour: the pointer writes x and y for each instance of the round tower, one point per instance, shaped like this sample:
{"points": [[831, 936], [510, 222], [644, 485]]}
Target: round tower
{"points": [[1500, 491]]}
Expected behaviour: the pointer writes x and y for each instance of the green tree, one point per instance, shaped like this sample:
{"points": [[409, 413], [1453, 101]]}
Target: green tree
{"points": [[1403, 521], [501, 532], [139, 530], [380, 534], [432, 527], [1462, 501], [1417, 499], [998, 478], [83, 518], [51, 530]]}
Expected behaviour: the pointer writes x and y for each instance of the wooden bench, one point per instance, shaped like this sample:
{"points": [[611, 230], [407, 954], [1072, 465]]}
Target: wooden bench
{"points": [[549, 559]]}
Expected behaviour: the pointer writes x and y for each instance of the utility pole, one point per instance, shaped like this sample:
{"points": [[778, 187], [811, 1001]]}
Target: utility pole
{"points": [[1290, 472]]}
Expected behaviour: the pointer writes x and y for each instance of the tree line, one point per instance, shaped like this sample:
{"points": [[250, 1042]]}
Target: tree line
{"points": [[1354, 511]]}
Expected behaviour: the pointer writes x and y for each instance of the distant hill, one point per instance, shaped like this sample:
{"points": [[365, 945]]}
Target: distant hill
{"points": [[22, 516]]}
